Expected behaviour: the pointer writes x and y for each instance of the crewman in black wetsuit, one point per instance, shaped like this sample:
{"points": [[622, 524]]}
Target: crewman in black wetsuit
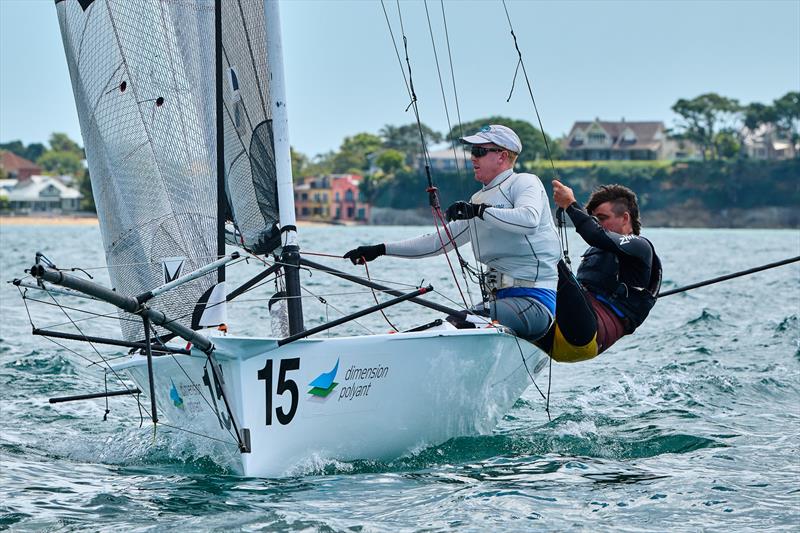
{"points": [[617, 282]]}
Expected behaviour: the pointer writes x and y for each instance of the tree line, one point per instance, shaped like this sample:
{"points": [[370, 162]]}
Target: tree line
{"points": [[717, 123]]}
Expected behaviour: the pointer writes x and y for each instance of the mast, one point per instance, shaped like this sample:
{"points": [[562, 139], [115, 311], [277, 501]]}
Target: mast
{"points": [[220, 126], [290, 256]]}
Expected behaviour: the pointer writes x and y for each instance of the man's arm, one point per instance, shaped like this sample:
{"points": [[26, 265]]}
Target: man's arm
{"points": [[593, 233], [430, 244]]}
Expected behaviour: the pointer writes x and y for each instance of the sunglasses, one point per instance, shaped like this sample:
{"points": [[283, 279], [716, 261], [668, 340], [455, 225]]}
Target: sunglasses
{"points": [[480, 151]]}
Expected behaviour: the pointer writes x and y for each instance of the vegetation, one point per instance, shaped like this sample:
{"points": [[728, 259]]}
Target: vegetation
{"points": [[63, 157], [388, 159], [716, 122]]}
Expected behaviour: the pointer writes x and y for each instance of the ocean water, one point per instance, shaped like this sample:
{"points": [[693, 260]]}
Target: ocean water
{"points": [[693, 423]]}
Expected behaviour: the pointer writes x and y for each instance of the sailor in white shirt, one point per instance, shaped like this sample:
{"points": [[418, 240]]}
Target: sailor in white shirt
{"points": [[511, 229]]}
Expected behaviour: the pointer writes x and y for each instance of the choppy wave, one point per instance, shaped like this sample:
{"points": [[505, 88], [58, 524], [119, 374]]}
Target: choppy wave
{"points": [[688, 424]]}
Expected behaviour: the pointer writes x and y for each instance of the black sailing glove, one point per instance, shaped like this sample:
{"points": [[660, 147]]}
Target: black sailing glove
{"points": [[365, 253], [465, 211]]}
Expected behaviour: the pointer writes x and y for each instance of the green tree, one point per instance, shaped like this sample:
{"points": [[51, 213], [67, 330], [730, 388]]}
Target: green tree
{"points": [[61, 162], [726, 144], [85, 188], [705, 115], [299, 163], [787, 117], [406, 139], [390, 161], [756, 114], [15, 147], [60, 142], [321, 164], [356, 152], [32, 152], [533, 140]]}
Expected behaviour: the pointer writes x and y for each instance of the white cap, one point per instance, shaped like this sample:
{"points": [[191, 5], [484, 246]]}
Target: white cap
{"points": [[496, 134]]}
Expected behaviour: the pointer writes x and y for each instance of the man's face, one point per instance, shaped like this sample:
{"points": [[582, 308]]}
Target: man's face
{"points": [[490, 165], [611, 221]]}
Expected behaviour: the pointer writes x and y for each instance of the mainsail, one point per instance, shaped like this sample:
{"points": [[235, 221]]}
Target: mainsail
{"points": [[144, 79]]}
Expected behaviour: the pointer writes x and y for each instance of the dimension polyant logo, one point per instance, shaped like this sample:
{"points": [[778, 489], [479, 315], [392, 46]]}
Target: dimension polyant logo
{"points": [[174, 395], [324, 384]]}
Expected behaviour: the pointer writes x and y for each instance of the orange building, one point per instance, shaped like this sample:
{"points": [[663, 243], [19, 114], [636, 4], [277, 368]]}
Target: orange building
{"points": [[312, 198], [346, 204]]}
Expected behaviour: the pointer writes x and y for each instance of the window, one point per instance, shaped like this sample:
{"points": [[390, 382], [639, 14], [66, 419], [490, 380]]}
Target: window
{"points": [[348, 196], [597, 137]]}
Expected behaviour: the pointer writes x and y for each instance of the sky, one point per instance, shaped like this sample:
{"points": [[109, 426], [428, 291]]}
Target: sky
{"points": [[585, 59]]}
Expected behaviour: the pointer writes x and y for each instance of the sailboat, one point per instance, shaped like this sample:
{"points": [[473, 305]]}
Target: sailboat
{"points": [[183, 112]]}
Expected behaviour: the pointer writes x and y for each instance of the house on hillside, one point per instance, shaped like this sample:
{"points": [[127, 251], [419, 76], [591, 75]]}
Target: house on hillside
{"points": [[330, 198], [312, 197], [603, 140], [347, 204], [446, 160], [38, 194], [17, 167], [765, 142]]}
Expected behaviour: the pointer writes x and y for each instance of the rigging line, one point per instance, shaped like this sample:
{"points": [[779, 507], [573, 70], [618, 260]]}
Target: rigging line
{"points": [[325, 295], [339, 311], [93, 314], [453, 78], [437, 216], [145, 263], [549, 384], [730, 276], [114, 316], [197, 434], [199, 391], [375, 297], [97, 352], [432, 191], [525, 362], [84, 357], [520, 63], [530, 90], [25, 303], [396, 50], [441, 86], [549, 380]]}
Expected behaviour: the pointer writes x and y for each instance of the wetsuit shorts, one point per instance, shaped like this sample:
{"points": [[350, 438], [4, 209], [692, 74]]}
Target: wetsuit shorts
{"points": [[584, 327]]}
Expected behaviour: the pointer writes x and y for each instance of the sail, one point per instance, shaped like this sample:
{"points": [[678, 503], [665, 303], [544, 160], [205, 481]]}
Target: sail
{"points": [[143, 77], [249, 148]]}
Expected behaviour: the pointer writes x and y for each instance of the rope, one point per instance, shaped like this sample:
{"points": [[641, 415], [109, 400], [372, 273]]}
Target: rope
{"points": [[441, 86], [433, 197], [562, 234], [453, 79], [729, 276], [375, 297]]}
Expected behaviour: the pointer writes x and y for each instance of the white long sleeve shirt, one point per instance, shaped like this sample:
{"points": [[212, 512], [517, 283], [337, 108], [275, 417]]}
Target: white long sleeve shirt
{"points": [[516, 237]]}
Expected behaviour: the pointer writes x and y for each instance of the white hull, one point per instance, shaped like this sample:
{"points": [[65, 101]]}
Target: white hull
{"points": [[391, 394]]}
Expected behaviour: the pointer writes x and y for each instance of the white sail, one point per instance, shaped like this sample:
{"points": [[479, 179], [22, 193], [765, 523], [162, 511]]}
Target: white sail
{"points": [[144, 79]]}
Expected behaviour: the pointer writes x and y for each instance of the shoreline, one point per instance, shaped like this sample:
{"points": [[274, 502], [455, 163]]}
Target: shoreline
{"points": [[657, 219], [91, 220]]}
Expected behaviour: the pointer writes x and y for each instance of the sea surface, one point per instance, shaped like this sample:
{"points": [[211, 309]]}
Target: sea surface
{"points": [[692, 423]]}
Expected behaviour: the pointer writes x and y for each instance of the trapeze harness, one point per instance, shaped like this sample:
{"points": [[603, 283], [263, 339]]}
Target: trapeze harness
{"points": [[616, 287]]}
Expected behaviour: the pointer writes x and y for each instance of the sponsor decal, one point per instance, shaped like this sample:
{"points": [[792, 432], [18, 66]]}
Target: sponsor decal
{"points": [[625, 239], [324, 384], [358, 381], [174, 395], [172, 268]]}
